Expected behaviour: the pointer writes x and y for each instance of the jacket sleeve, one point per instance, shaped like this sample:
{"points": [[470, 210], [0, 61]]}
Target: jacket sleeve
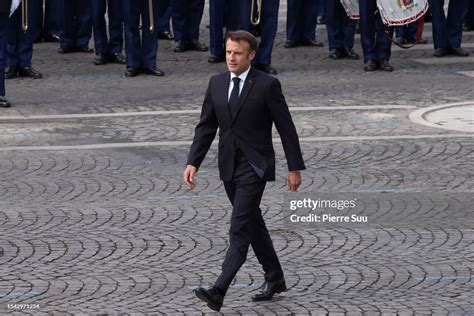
{"points": [[284, 124], [204, 133]]}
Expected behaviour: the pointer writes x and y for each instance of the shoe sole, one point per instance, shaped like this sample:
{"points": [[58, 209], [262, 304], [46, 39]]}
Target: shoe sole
{"points": [[205, 298]]}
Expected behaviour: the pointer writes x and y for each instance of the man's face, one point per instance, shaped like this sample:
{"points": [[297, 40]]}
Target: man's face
{"points": [[238, 56]]}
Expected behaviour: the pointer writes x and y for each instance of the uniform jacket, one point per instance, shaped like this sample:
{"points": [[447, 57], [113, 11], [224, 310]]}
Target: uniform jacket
{"points": [[261, 104]]}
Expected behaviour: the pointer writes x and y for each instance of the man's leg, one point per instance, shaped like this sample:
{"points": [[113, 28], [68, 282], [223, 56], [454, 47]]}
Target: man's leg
{"points": [[100, 31], [115, 11]]}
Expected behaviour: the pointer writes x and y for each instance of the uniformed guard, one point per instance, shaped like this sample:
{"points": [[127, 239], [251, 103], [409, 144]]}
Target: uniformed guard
{"points": [[376, 45], [187, 15], [164, 29], [447, 32], [5, 7], [267, 18], [23, 28], [302, 18], [108, 50], [341, 31], [223, 14], [75, 21], [141, 51]]}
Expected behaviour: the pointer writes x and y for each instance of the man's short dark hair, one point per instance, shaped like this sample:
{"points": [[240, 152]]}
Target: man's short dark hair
{"points": [[238, 36]]}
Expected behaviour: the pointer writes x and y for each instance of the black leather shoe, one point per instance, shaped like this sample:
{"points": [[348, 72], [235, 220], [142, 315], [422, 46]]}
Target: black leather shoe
{"points": [[458, 51], [117, 58], [370, 65], [215, 59], [4, 103], [11, 72], [290, 44], [165, 35], [155, 71], [84, 49], [213, 297], [440, 52], [29, 72], [197, 46], [180, 47], [335, 54], [269, 289], [384, 65], [132, 72], [100, 60], [66, 50], [350, 54], [311, 43], [267, 69]]}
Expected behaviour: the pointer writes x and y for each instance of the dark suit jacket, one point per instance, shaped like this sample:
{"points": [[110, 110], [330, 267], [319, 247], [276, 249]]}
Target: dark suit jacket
{"points": [[261, 103], [5, 6]]}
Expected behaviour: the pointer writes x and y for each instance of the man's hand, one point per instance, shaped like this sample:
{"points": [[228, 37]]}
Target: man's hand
{"points": [[188, 176], [294, 180]]}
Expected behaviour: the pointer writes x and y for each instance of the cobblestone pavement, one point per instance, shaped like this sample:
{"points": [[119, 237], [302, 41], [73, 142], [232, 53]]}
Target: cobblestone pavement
{"points": [[94, 218]]}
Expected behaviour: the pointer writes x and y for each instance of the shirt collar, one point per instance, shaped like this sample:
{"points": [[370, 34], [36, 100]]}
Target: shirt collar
{"points": [[242, 76]]}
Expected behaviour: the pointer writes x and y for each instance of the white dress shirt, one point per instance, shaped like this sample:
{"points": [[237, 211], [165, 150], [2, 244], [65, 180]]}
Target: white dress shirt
{"points": [[242, 77]]}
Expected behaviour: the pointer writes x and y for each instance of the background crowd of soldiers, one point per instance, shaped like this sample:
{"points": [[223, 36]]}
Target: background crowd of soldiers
{"points": [[140, 23]]}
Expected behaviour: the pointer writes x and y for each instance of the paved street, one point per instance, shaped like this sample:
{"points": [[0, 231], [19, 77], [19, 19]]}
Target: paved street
{"points": [[95, 219]]}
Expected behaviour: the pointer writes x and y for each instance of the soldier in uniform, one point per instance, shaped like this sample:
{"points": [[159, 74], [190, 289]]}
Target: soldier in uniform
{"points": [[447, 31], [164, 30], [20, 41], [108, 50], [302, 18], [187, 15], [341, 31], [376, 45], [4, 14], [223, 13], [141, 51], [75, 20], [268, 28]]}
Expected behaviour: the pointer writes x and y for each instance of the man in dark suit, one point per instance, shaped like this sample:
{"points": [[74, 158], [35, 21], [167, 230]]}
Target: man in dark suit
{"points": [[4, 14], [244, 103]]}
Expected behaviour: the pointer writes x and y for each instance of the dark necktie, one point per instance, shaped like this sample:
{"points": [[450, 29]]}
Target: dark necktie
{"points": [[234, 96]]}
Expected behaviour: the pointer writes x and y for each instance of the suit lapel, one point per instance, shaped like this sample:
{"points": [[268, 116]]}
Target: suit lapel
{"points": [[245, 91]]}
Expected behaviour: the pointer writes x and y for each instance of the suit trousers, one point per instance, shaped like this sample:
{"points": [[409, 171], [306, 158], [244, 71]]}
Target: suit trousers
{"points": [[302, 18], [375, 43], [447, 31], [247, 226], [114, 10], [20, 44], [75, 22], [340, 28]]}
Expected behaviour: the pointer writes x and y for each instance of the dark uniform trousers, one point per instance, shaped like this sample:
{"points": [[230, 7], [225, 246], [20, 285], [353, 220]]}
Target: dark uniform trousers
{"points": [[470, 15], [375, 43], [3, 49], [20, 44], [223, 14], [141, 51], [165, 17], [407, 31], [447, 31], [268, 28], [51, 24], [187, 15], [302, 18], [75, 20], [114, 9], [247, 226], [340, 28]]}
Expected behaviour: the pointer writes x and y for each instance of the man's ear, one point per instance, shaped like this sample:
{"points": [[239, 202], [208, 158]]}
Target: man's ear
{"points": [[252, 55]]}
